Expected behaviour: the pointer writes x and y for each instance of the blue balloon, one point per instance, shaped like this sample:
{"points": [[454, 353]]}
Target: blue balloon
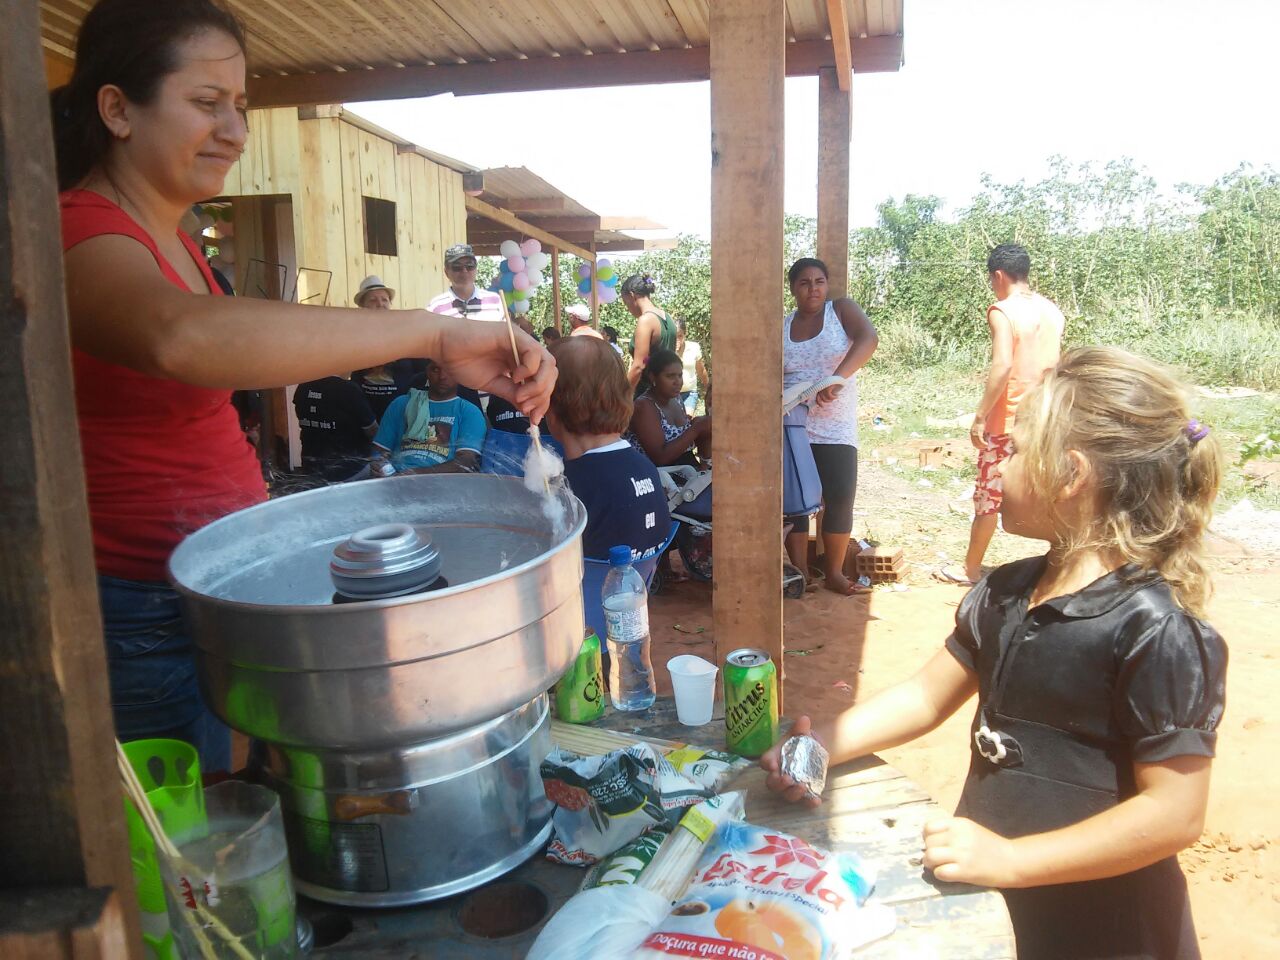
{"points": [[584, 286], [508, 281], [502, 266], [611, 282]]}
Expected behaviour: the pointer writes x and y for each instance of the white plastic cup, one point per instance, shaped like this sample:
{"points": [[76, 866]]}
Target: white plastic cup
{"points": [[694, 682]]}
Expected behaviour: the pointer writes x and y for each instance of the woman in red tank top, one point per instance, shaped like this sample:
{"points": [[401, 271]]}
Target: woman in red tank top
{"points": [[150, 123]]}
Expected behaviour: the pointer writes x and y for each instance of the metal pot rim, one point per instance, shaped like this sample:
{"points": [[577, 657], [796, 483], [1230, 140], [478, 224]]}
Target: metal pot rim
{"points": [[359, 606]]}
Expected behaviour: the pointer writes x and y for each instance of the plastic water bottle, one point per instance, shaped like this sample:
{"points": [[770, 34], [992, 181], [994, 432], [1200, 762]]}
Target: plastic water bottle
{"points": [[625, 599]]}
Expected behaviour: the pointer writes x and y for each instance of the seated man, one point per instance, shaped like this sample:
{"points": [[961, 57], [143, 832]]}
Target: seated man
{"points": [[590, 408], [336, 424], [432, 430]]}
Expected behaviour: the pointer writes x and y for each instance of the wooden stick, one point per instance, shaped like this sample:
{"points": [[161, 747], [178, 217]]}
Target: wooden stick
{"points": [[136, 793], [534, 432]]}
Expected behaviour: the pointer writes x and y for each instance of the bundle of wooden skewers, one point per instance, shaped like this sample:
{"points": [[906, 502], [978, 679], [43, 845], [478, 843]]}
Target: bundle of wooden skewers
{"points": [[201, 919]]}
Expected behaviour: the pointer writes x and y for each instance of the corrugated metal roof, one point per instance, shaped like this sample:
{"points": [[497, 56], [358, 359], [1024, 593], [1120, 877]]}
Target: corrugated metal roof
{"points": [[292, 37]]}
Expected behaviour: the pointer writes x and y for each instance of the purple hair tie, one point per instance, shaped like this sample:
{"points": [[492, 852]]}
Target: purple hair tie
{"points": [[1196, 431]]}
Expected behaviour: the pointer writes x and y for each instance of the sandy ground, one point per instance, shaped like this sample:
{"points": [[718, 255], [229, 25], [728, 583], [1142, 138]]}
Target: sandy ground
{"points": [[842, 649]]}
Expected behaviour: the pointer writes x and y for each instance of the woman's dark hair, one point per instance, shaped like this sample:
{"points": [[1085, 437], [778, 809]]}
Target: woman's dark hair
{"points": [[133, 45], [610, 333], [803, 264], [659, 360], [639, 285]]}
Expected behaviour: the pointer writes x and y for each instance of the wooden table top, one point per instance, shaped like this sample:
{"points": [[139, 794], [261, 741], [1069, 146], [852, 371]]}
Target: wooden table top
{"points": [[869, 808]]}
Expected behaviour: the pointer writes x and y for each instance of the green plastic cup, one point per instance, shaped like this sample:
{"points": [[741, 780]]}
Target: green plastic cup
{"points": [[169, 771]]}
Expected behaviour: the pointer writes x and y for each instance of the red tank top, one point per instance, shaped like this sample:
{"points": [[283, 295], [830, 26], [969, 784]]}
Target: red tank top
{"points": [[161, 458]]}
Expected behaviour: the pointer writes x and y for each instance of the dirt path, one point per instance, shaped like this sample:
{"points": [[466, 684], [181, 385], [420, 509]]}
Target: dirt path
{"points": [[840, 649]]}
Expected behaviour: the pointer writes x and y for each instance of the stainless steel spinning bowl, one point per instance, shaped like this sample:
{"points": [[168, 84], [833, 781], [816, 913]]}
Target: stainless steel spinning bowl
{"points": [[280, 660]]}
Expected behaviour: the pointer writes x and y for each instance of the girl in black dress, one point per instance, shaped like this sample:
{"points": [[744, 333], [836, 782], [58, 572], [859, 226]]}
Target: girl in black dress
{"points": [[1099, 688]]}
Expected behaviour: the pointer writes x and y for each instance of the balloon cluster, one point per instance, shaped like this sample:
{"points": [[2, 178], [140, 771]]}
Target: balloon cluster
{"points": [[520, 273], [606, 281]]}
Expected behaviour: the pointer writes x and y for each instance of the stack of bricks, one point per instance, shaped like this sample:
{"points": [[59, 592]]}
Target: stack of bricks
{"points": [[880, 564]]}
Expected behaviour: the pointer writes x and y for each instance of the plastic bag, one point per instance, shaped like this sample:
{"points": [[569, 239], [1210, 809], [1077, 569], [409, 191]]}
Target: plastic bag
{"points": [[625, 864], [603, 923], [759, 892], [710, 770], [604, 802]]}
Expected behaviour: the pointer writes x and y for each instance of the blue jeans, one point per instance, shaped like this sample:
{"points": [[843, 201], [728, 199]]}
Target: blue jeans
{"points": [[154, 692]]}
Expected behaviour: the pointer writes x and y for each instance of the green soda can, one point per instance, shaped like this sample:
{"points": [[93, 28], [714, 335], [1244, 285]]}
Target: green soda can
{"points": [[750, 702], [580, 692]]}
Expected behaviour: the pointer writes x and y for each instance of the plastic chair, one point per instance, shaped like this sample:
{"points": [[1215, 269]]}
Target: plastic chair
{"points": [[503, 452], [593, 574]]}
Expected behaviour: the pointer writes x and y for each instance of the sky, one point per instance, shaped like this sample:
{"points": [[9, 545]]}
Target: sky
{"points": [[1186, 88]]}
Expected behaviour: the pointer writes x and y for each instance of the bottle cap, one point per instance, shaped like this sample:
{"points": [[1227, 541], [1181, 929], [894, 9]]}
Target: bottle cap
{"points": [[619, 556]]}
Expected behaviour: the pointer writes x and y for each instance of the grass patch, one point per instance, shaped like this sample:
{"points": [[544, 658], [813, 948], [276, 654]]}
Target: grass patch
{"points": [[905, 398]]}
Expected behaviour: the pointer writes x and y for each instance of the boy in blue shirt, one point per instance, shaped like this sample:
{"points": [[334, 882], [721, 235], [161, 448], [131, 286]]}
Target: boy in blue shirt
{"points": [[432, 430]]}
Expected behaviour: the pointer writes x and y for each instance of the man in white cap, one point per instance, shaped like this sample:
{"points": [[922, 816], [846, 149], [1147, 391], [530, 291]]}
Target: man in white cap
{"points": [[464, 298], [580, 320], [384, 383]]}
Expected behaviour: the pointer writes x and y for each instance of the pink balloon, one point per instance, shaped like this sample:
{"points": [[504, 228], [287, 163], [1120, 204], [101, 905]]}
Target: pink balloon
{"points": [[603, 262], [584, 271], [516, 264], [530, 246], [521, 281]]}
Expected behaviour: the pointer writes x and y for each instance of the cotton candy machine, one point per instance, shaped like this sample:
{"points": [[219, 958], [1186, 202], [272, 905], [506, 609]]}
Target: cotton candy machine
{"points": [[391, 643]]}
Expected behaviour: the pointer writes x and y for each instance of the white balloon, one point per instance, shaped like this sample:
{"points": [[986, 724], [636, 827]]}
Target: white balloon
{"points": [[538, 261], [520, 306], [509, 248], [535, 279]]}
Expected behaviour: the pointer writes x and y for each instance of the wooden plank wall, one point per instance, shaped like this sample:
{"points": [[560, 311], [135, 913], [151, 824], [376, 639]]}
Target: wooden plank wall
{"points": [[327, 166]]}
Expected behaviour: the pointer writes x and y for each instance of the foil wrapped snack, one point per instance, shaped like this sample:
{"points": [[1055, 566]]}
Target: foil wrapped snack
{"points": [[804, 760]]}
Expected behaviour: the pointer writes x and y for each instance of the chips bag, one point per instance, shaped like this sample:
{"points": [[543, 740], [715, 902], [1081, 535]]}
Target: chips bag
{"points": [[602, 802], [764, 894]]}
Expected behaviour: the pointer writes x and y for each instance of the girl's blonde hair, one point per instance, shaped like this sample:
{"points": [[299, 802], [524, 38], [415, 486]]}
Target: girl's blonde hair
{"points": [[1156, 469]]}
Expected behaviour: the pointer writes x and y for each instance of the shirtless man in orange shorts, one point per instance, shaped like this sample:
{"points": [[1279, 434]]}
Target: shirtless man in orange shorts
{"points": [[1026, 340]]}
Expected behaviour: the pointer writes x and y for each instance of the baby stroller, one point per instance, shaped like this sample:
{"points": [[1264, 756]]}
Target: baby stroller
{"points": [[689, 491]]}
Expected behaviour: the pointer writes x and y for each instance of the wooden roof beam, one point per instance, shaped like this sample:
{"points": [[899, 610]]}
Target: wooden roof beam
{"points": [[508, 219], [803, 59], [529, 204], [838, 18]]}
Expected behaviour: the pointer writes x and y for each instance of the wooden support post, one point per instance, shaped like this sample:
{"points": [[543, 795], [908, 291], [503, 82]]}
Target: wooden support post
{"points": [[595, 299], [747, 69], [61, 812], [555, 288], [834, 133]]}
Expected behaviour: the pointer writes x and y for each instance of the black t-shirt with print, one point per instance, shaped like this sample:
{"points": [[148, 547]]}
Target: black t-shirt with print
{"points": [[406, 373], [333, 414], [503, 415]]}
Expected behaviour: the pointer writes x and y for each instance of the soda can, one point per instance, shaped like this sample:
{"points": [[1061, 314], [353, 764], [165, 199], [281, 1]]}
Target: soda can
{"points": [[750, 702], [580, 692]]}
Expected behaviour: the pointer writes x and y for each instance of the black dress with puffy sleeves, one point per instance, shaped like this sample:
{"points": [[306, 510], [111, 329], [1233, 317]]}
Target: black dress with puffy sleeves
{"points": [[1071, 694]]}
